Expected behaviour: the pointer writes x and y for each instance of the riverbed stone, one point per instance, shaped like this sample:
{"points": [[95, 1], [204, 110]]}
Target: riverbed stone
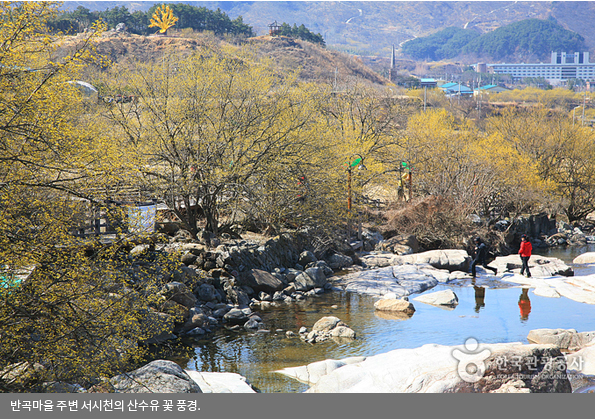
{"points": [[588, 257], [260, 280], [159, 376], [220, 382], [311, 373], [326, 328], [582, 361], [435, 369], [236, 316], [568, 339], [338, 261], [400, 280], [449, 259], [395, 305], [439, 298], [180, 293], [540, 266]]}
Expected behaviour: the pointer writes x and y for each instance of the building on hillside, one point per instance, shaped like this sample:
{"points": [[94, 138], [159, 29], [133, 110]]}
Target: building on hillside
{"points": [[456, 89], [274, 29], [561, 67], [490, 88], [431, 83]]}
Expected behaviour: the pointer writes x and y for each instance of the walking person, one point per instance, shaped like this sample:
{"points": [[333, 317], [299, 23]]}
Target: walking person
{"points": [[525, 253], [481, 254]]}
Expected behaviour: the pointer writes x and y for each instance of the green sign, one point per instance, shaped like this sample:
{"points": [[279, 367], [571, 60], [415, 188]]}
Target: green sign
{"points": [[356, 162]]}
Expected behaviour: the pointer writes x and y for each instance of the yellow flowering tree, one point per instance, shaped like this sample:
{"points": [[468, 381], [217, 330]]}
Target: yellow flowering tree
{"points": [[163, 18], [68, 310]]}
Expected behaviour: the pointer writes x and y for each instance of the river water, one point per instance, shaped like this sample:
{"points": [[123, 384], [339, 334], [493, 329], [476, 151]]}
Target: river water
{"points": [[488, 311]]}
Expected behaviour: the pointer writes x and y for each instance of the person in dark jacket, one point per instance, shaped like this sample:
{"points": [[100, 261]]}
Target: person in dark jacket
{"points": [[525, 253], [481, 254]]}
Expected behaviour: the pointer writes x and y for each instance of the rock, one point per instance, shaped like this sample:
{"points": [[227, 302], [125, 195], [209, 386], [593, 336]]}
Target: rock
{"points": [[326, 324], [311, 373], [197, 331], [207, 292], [399, 244], [395, 305], [261, 280], [312, 278], [159, 376], [252, 324], [317, 274], [236, 316], [439, 369], [582, 361], [338, 261], [196, 319], [306, 257], [451, 260], [188, 258], [326, 328], [180, 293], [440, 298], [588, 257], [220, 382], [400, 280], [568, 339], [540, 266], [236, 295], [343, 332]]}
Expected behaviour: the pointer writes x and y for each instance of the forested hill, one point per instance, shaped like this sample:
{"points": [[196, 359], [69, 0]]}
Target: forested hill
{"points": [[531, 39]]}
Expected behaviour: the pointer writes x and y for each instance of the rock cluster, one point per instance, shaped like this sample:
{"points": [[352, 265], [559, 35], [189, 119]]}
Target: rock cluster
{"points": [[327, 328], [221, 286]]}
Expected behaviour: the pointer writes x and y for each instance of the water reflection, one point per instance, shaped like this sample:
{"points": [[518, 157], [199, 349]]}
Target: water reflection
{"points": [[480, 294], [524, 304]]}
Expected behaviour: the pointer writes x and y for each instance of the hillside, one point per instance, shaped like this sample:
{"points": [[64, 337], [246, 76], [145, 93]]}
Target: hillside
{"points": [[316, 63], [371, 27], [527, 40]]}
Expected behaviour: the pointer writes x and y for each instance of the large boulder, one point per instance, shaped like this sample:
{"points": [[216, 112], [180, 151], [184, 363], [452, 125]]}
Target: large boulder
{"points": [[567, 339], [540, 266], [159, 376], [588, 257], [440, 298], [400, 280], [260, 280], [220, 382], [451, 260], [311, 373], [309, 279], [582, 361], [445, 369], [394, 305], [338, 261]]}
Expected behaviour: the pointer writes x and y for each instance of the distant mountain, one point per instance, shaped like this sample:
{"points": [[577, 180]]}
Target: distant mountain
{"points": [[531, 39], [372, 27]]}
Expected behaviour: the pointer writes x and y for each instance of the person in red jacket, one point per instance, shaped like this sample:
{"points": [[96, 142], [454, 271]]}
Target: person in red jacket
{"points": [[525, 253]]}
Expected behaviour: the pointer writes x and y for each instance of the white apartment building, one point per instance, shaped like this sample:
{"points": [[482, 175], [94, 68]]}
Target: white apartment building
{"points": [[563, 66]]}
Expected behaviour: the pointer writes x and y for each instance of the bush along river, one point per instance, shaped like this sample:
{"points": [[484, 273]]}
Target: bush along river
{"points": [[490, 309]]}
